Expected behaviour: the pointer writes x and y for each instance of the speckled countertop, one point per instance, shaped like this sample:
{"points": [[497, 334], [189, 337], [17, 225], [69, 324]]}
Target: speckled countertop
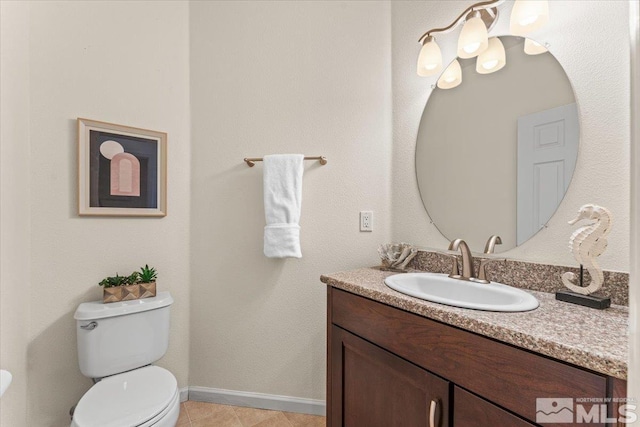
{"points": [[593, 339]]}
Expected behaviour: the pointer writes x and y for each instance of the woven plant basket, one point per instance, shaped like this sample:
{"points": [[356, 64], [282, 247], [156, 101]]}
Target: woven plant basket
{"points": [[129, 292]]}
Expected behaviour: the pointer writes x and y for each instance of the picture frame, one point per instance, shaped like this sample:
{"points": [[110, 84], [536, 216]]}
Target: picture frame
{"points": [[122, 170]]}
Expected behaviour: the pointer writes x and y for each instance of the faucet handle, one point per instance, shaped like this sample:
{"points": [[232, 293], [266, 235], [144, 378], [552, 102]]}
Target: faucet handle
{"points": [[494, 240], [455, 269], [482, 269]]}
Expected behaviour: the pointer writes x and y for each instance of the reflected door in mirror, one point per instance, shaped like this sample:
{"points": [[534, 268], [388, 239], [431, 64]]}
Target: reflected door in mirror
{"points": [[547, 144]]}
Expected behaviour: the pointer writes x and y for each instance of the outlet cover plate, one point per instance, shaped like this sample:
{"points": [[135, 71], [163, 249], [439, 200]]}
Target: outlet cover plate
{"points": [[366, 221]]}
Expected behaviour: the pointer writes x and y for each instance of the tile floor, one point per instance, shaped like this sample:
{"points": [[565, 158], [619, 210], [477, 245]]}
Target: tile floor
{"points": [[201, 414]]}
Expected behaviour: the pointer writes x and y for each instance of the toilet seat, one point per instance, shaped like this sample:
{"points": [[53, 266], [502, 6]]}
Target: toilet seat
{"points": [[138, 398]]}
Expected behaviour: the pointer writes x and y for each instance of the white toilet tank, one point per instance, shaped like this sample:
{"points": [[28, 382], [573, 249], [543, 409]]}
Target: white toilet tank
{"points": [[121, 336]]}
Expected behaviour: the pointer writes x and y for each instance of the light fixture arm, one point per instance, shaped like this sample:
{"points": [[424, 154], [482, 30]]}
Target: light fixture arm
{"points": [[477, 6]]}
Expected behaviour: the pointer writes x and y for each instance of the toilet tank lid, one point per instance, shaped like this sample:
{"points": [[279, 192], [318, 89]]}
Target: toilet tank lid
{"points": [[98, 310]]}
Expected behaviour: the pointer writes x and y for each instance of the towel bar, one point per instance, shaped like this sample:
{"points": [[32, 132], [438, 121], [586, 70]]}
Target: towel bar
{"points": [[251, 160]]}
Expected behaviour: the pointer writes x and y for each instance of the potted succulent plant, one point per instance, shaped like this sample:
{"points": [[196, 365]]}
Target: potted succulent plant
{"points": [[137, 285]]}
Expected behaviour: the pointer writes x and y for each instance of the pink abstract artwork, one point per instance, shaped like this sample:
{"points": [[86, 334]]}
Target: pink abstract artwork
{"points": [[125, 175]]}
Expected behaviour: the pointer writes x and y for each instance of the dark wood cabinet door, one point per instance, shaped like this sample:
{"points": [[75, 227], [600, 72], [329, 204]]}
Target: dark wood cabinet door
{"points": [[371, 387], [472, 411]]}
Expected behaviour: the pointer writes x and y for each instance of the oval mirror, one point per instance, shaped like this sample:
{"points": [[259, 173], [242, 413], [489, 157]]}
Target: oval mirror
{"points": [[495, 154]]}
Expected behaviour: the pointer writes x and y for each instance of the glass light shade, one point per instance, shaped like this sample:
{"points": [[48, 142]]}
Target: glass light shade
{"points": [[430, 58], [493, 58], [532, 47], [451, 77], [528, 15], [473, 38]]}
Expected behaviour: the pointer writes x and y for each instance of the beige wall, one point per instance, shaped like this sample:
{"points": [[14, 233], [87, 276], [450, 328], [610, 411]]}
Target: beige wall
{"points": [[121, 62], [599, 72], [281, 77], [14, 208]]}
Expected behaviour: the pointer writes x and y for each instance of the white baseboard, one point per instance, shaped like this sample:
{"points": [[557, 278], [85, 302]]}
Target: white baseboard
{"points": [[257, 400], [184, 394]]}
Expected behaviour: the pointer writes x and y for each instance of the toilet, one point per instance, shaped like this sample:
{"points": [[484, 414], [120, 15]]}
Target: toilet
{"points": [[117, 342]]}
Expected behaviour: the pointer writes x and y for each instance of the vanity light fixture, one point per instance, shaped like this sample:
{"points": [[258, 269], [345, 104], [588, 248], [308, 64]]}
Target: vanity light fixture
{"points": [[430, 58], [528, 15], [473, 39], [493, 58], [451, 77], [479, 18], [532, 47]]}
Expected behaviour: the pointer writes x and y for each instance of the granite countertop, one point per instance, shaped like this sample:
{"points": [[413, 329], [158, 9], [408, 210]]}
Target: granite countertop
{"points": [[593, 339]]}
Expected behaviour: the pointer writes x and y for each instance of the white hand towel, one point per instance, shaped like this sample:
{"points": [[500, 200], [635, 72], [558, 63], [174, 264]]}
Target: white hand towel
{"points": [[282, 176]]}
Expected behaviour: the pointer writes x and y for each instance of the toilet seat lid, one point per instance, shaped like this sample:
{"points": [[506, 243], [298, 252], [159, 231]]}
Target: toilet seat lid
{"points": [[127, 399]]}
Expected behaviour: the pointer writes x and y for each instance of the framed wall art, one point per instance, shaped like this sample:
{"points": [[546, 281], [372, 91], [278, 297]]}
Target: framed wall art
{"points": [[122, 171]]}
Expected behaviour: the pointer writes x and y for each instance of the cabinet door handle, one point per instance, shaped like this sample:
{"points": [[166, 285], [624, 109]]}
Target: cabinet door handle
{"points": [[432, 413]]}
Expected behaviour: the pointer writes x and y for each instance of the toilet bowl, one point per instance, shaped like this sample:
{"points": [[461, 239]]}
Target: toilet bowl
{"points": [[117, 343], [143, 397]]}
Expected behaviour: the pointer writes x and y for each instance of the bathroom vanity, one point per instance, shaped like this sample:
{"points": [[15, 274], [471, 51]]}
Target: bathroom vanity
{"points": [[399, 361], [394, 360]]}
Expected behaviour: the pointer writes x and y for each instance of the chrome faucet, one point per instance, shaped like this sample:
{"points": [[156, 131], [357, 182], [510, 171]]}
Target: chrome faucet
{"points": [[467, 260]]}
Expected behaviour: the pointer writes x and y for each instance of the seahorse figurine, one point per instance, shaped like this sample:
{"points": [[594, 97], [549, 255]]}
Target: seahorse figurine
{"points": [[587, 243]]}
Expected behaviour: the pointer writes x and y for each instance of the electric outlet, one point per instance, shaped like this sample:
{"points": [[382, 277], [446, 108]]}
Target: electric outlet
{"points": [[366, 221]]}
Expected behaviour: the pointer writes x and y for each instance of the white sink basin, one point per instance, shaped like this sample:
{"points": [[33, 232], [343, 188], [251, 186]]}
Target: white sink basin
{"points": [[461, 293]]}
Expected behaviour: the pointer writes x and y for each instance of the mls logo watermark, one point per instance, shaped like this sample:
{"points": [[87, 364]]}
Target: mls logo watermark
{"points": [[554, 410], [584, 410]]}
